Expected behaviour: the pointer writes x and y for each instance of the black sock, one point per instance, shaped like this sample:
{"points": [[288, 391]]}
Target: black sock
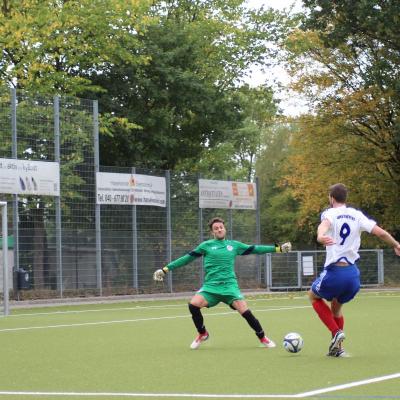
{"points": [[254, 323], [197, 318]]}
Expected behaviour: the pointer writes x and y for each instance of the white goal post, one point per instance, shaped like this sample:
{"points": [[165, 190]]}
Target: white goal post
{"points": [[4, 232]]}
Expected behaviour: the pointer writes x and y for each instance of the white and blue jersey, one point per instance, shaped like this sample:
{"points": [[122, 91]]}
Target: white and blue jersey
{"points": [[346, 226]]}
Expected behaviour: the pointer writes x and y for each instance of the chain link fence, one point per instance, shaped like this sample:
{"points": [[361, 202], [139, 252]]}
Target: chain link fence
{"points": [[298, 270], [69, 246]]}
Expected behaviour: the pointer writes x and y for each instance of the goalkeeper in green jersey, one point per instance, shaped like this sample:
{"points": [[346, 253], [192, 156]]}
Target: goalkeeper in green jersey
{"points": [[220, 281]]}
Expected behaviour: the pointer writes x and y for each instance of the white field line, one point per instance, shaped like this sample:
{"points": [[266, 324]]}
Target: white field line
{"points": [[137, 307], [157, 395], [378, 294], [124, 321], [208, 395], [348, 385], [100, 310]]}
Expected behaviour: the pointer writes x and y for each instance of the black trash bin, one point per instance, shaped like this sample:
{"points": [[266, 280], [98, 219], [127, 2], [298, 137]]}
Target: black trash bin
{"points": [[23, 279]]}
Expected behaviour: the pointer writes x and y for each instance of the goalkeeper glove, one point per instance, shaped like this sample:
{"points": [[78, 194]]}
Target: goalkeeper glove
{"points": [[159, 274], [283, 248]]}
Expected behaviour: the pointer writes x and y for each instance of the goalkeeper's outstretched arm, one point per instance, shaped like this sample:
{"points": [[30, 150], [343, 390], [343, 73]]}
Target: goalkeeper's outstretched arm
{"points": [[262, 249], [179, 262]]}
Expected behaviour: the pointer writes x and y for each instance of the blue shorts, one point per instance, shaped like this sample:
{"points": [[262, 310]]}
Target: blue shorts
{"points": [[338, 282]]}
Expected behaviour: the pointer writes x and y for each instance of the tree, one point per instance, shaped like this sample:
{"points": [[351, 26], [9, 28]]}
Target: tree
{"points": [[356, 48], [259, 109], [323, 154], [280, 208], [167, 72], [356, 23], [167, 69], [50, 46], [183, 100], [350, 80], [236, 156]]}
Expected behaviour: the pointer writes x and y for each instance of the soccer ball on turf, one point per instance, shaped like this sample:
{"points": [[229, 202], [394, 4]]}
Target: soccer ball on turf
{"points": [[293, 342]]}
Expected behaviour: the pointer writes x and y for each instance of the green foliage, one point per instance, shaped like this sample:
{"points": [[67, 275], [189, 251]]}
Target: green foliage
{"points": [[236, 156], [345, 62], [315, 164], [279, 207], [355, 22], [166, 73], [357, 56], [50, 46], [184, 98]]}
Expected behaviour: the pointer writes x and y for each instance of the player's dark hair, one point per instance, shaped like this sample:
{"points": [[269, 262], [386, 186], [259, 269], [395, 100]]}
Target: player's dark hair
{"points": [[338, 192], [214, 220]]}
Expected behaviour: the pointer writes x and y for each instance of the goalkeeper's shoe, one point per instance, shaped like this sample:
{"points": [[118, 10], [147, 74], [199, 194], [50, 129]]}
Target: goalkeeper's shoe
{"points": [[200, 338], [336, 343], [265, 342]]}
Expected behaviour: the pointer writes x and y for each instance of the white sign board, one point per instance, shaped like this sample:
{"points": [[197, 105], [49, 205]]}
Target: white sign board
{"points": [[227, 194], [130, 189], [29, 177], [308, 265]]}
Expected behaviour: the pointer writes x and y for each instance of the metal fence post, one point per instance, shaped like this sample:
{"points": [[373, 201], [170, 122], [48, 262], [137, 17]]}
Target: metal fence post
{"points": [[56, 106], [299, 269], [169, 228], [134, 245], [15, 196], [381, 268], [258, 228], [230, 217], [3, 205], [268, 271], [201, 235], [97, 209]]}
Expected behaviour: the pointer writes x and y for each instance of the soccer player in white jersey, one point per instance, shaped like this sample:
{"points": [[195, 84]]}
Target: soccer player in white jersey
{"points": [[340, 231]]}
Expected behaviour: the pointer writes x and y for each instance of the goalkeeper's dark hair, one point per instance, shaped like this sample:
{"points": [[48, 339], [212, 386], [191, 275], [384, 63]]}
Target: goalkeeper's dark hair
{"points": [[338, 192], [215, 220]]}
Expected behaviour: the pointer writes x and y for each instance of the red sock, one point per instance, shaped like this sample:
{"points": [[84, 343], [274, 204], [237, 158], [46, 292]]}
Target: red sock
{"points": [[325, 314], [339, 321]]}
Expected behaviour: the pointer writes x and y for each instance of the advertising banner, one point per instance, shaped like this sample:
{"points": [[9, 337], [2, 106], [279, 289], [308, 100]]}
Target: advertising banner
{"points": [[227, 194], [130, 189], [29, 177]]}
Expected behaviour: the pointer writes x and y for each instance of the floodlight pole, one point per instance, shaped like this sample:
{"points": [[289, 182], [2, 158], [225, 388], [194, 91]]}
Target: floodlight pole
{"points": [[3, 205]]}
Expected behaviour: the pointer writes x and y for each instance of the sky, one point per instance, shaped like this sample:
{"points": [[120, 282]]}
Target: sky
{"points": [[291, 104], [278, 4]]}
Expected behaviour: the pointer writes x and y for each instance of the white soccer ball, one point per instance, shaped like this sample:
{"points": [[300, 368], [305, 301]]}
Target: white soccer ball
{"points": [[293, 342]]}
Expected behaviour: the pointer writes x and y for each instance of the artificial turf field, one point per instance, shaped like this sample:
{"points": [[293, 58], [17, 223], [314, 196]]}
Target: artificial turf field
{"points": [[140, 349]]}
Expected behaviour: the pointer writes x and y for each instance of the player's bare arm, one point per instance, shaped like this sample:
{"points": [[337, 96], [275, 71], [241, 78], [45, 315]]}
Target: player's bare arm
{"points": [[322, 237], [386, 237]]}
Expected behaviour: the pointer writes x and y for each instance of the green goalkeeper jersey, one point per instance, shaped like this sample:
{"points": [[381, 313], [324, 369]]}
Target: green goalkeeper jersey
{"points": [[219, 258]]}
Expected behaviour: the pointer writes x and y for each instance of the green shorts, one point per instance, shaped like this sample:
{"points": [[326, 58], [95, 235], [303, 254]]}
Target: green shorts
{"points": [[215, 294]]}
